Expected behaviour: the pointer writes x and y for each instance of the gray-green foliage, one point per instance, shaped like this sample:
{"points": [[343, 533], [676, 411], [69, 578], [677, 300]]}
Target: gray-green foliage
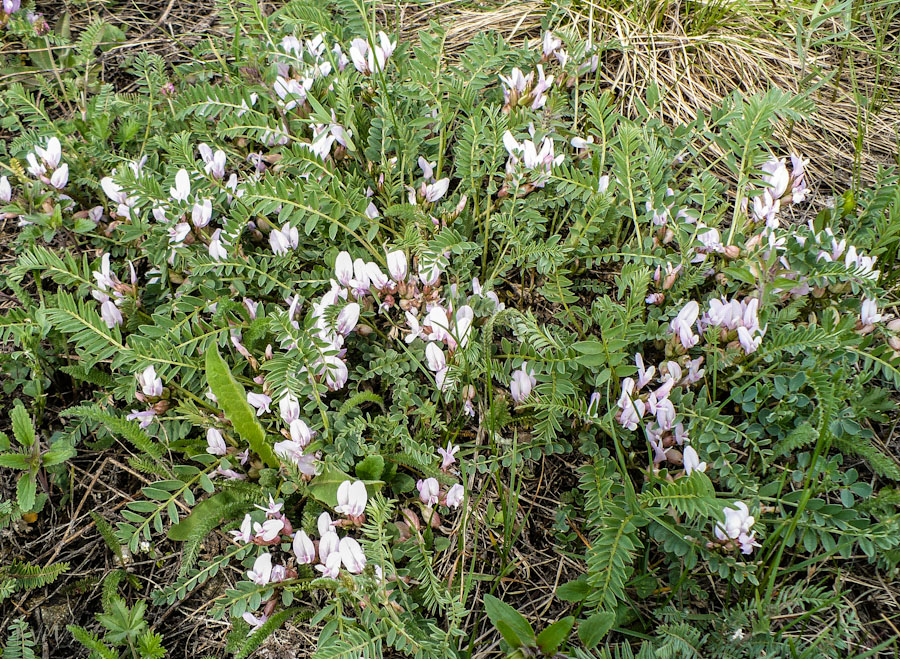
{"points": [[592, 257]]}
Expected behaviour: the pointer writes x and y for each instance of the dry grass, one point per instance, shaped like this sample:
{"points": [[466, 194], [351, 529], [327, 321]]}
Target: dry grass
{"points": [[742, 50]]}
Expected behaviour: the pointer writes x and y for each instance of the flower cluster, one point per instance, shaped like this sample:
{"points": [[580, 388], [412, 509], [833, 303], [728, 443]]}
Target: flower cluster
{"points": [[736, 530], [736, 320], [529, 91], [781, 185], [330, 549], [47, 166], [528, 167], [111, 292], [662, 432]]}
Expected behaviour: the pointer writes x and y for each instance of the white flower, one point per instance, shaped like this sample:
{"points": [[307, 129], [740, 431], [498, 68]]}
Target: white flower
{"points": [[261, 573], [748, 341], [52, 154], [397, 265], [301, 433], [254, 621], [331, 566], [303, 547], [179, 232], [550, 44], [286, 239], [738, 522], [201, 213], [328, 544], [455, 496], [347, 318], [377, 279], [521, 384], [215, 443], [289, 408], [343, 269], [692, 461], [110, 313], [324, 524], [216, 249], [351, 498], [292, 92], [260, 402], [150, 384], [268, 530], [369, 60], [776, 175], [429, 491], [434, 191], [336, 372], [60, 177], [427, 168], [868, 314], [435, 357], [217, 166], [352, 555], [105, 277], [5, 189], [182, 189], [35, 168], [245, 533], [683, 324]]}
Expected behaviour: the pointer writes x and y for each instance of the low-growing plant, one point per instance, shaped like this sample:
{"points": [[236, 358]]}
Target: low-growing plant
{"points": [[337, 293]]}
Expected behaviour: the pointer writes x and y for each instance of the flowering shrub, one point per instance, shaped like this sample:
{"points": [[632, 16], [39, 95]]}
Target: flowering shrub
{"points": [[324, 286]]}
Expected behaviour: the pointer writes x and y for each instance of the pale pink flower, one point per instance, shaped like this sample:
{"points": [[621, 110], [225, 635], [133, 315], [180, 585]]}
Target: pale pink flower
{"points": [[448, 455], [692, 461], [215, 443], [260, 402], [429, 491], [303, 547], [455, 496], [151, 385], [521, 384]]}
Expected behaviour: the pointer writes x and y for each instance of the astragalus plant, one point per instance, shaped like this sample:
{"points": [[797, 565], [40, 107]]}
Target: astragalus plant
{"points": [[334, 289]]}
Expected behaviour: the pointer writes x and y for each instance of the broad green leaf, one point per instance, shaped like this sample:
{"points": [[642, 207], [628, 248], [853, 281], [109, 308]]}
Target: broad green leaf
{"points": [[512, 625], [553, 636], [371, 468], [202, 513], [574, 591], [57, 455], [22, 426], [14, 461], [26, 490], [592, 630], [233, 400]]}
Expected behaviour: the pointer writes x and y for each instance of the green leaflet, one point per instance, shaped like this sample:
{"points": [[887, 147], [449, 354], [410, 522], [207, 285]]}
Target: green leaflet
{"points": [[512, 625], [233, 401], [23, 428], [592, 630], [554, 635], [207, 509]]}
